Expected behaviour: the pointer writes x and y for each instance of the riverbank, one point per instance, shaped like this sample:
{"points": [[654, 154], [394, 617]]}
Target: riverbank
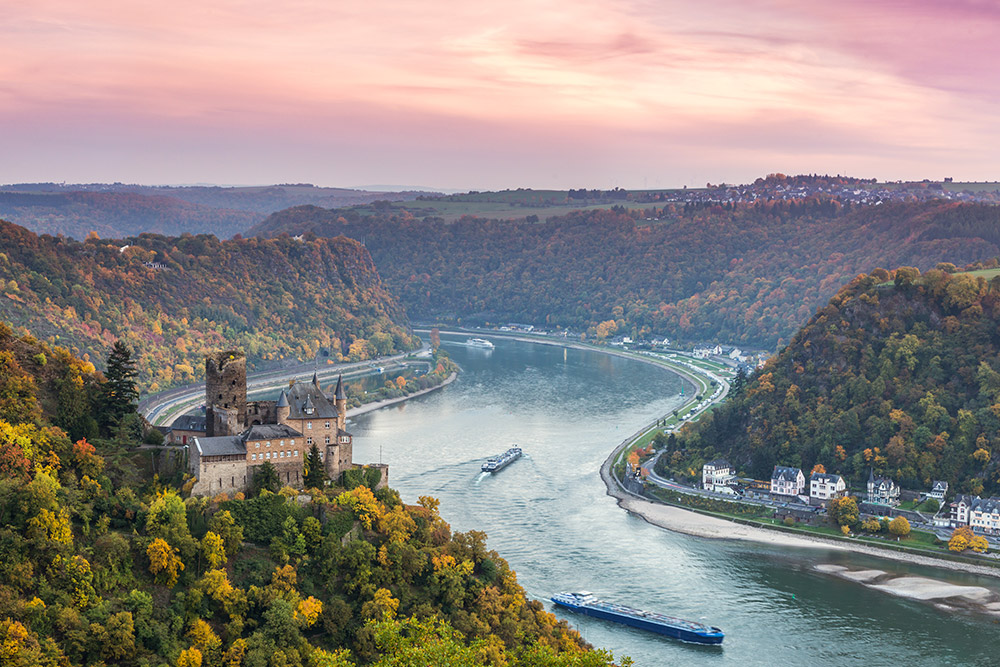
{"points": [[378, 405], [693, 523]]}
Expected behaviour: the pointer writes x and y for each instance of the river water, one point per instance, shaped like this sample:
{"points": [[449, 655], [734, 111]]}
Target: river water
{"points": [[549, 516]]}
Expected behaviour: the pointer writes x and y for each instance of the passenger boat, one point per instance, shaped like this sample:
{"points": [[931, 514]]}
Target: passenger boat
{"points": [[479, 342], [501, 461], [689, 631]]}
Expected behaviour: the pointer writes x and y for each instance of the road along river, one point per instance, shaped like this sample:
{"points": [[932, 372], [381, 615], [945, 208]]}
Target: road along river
{"points": [[549, 516]]}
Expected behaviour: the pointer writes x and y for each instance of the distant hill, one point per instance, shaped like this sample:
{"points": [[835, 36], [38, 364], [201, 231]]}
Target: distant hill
{"points": [[120, 210], [173, 299], [898, 372], [749, 273]]}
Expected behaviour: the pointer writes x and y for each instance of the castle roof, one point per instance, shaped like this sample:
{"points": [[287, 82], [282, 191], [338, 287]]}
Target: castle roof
{"points": [[307, 401], [339, 393], [268, 432], [222, 445], [227, 445], [189, 423], [283, 400]]}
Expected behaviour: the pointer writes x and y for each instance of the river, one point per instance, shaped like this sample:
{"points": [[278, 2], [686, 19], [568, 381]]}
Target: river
{"points": [[549, 516]]}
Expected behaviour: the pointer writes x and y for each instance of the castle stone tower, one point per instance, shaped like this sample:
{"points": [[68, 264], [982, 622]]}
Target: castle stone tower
{"points": [[225, 393], [340, 396]]}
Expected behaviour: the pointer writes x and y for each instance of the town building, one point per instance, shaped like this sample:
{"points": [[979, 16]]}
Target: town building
{"points": [[716, 476], [242, 435], [824, 486], [938, 490], [977, 513], [787, 481], [882, 490]]}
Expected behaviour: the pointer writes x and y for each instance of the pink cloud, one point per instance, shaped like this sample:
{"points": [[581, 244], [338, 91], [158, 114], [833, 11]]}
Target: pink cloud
{"points": [[519, 93]]}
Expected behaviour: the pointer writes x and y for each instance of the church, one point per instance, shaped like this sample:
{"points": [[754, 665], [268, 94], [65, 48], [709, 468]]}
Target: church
{"points": [[242, 435]]}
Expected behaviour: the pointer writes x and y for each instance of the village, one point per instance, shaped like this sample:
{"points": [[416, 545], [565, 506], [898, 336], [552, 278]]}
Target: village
{"points": [[798, 499]]}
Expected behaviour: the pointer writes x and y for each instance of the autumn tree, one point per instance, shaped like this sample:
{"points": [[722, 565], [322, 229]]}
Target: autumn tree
{"points": [[164, 562], [960, 539], [900, 527]]}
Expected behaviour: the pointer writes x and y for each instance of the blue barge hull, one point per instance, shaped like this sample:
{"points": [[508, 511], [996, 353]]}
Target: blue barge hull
{"points": [[688, 631]]}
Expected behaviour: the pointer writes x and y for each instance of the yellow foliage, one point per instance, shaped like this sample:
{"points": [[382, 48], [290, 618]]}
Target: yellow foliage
{"points": [[382, 607], [189, 658], [284, 578], [960, 539], [165, 563], [397, 524], [203, 637], [15, 637], [308, 611], [213, 549], [363, 503], [979, 544], [51, 526]]}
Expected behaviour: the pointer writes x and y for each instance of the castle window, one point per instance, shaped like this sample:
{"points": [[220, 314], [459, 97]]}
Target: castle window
{"points": [[282, 454], [282, 443], [292, 443], [295, 452], [258, 445], [309, 425], [269, 455], [253, 457], [309, 441], [328, 440], [268, 443], [327, 425], [344, 439]]}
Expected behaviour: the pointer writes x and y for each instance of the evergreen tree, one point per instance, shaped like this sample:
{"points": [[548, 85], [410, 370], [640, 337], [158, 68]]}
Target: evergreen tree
{"points": [[120, 393], [315, 472], [739, 382], [266, 477]]}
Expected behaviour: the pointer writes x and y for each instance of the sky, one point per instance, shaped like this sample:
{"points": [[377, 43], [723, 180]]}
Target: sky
{"points": [[491, 95]]}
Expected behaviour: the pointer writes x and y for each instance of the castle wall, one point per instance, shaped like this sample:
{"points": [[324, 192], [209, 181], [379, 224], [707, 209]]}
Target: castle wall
{"points": [[225, 476], [262, 412]]}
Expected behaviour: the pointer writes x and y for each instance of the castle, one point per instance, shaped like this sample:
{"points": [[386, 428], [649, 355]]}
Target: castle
{"points": [[242, 435]]}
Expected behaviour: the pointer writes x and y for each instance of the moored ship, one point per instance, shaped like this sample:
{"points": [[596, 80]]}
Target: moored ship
{"points": [[479, 342], [688, 631], [501, 461]]}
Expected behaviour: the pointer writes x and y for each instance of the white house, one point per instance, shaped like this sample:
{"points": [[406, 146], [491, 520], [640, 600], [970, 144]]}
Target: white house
{"points": [[787, 481], [959, 509], [823, 486], [882, 490], [938, 490], [985, 515], [736, 354], [716, 475]]}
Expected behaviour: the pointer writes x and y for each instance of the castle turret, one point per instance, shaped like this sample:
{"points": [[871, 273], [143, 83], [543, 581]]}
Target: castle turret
{"points": [[340, 396], [225, 393], [282, 409]]}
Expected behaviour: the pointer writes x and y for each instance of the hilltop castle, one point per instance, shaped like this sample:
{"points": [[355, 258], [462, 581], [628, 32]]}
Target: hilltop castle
{"points": [[241, 435]]}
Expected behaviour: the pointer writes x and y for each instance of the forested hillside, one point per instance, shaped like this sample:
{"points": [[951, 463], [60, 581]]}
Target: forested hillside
{"points": [[748, 274], [899, 372], [118, 210], [174, 299], [118, 214], [105, 566]]}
